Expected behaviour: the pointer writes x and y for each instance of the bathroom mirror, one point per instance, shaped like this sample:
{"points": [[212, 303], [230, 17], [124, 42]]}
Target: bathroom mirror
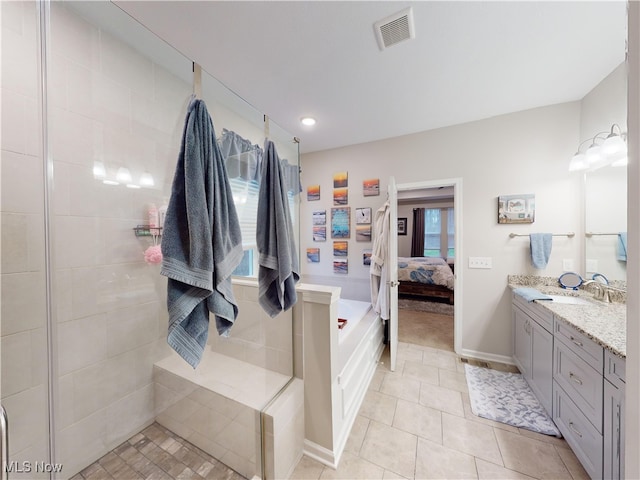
{"points": [[605, 219]]}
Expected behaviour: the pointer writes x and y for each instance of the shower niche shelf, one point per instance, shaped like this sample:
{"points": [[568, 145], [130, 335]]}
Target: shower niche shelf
{"points": [[147, 231]]}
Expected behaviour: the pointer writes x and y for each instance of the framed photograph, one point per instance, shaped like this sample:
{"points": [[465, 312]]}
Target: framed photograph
{"points": [[366, 257], [340, 265], [517, 208], [402, 226], [320, 217], [340, 218], [340, 180], [313, 255], [363, 233], [371, 187], [363, 216], [319, 233], [340, 249], [340, 196], [313, 193]]}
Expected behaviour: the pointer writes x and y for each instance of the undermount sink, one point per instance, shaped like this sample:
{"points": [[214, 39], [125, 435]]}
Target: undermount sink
{"points": [[569, 300]]}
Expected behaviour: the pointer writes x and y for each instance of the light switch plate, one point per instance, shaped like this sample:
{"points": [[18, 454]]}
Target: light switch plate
{"points": [[480, 262]]}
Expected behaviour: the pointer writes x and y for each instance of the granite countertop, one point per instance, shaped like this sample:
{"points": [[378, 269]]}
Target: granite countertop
{"points": [[605, 323]]}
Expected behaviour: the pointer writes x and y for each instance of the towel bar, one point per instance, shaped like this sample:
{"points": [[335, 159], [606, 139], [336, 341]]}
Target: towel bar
{"points": [[570, 234], [593, 234]]}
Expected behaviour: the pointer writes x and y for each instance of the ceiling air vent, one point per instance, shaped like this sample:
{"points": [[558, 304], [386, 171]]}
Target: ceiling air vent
{"points": [[395, 28]]}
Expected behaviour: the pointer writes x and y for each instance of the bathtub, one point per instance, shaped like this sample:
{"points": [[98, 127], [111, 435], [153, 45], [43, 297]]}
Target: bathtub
{"points": [[353, 311]]}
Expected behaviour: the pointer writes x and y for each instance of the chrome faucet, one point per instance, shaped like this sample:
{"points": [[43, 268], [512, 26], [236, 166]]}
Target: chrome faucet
{"points": [[601, 291]]}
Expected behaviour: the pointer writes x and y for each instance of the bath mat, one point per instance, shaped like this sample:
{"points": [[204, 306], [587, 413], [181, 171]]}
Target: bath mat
{"points": [[507, 398]]}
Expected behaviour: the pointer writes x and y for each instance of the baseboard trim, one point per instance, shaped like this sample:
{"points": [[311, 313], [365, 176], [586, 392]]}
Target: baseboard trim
{"points": [[487, 357], [320, 454]]}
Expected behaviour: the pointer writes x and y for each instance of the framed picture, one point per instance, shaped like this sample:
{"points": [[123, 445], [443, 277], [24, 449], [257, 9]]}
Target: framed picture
{"points": [[366, 257], [363, 233], [363, 216], [371, 187], [313, 193], [517, 208], [340, 196], [313, 255], [341, 249], [340, 265], [340, 180], [402, 226], [340, 218], [320, 217], [319, 233]]}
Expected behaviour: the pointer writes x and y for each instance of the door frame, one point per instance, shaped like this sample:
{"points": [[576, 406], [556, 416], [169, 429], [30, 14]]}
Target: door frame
{"points": [[456, 183]]}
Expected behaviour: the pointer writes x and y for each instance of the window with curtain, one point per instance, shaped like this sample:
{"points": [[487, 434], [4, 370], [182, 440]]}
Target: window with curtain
{"points": [[439, 230]]}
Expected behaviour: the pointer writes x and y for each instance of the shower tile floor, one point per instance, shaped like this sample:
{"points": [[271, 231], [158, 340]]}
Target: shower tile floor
{"points": [[157, 454]]}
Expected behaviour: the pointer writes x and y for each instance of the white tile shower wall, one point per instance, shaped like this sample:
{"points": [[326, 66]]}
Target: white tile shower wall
{"points": [[255, 337], [111, 104], [23, 339]]}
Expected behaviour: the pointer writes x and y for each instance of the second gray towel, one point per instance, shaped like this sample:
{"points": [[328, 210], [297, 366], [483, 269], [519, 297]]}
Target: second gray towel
{"points": [[278, 260]]}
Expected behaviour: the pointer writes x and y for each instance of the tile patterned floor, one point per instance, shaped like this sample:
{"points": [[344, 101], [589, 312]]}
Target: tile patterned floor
{"points": [[157, 454], [416, 423]]}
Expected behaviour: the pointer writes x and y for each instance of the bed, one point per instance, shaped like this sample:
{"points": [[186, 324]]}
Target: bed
{"points": [[426, 277]]}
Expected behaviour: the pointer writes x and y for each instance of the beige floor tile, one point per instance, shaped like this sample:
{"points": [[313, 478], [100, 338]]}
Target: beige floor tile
{"points": [[470, 437], [356, 437], [353, 467], [307, 469], [453, 380], [392, 476], [401, 387], [440, 359], [443, 399], [423, 373], [390, 448], [491, 471], [531, 457], [376, 381], [379, 407], [572, 463], [557, 441], [434, 461], [419, 420]]}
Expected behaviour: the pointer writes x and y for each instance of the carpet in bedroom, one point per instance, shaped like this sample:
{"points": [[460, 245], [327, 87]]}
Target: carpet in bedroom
{"points": [[428, 329]]}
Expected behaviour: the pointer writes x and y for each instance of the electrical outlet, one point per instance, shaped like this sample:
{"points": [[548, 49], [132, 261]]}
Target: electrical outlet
{"points": [[567, 265], [480, 262]]}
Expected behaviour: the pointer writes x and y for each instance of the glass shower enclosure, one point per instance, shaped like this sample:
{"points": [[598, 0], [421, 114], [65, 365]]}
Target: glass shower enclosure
{"points": [[93, 107]]}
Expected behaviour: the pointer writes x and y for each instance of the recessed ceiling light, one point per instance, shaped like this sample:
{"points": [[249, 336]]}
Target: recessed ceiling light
{"points": [[308, 121]]}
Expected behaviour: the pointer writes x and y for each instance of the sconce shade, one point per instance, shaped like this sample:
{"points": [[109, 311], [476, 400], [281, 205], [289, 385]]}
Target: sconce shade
{"points": [[578, 162], [99, 172], [123, 175], [614, 146], [146, 180], [593, 154]]}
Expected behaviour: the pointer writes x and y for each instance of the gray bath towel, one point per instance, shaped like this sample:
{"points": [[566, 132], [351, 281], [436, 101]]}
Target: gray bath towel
{"points": [[201, 241], [278, 272]]}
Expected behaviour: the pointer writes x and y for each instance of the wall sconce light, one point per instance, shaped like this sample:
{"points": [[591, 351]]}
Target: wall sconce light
{"points": [[123, 175], [146, 180], [99, 172], [609, 150]]}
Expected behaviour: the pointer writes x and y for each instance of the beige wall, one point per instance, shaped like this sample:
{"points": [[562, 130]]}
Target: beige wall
{"points": [[524, 152]]}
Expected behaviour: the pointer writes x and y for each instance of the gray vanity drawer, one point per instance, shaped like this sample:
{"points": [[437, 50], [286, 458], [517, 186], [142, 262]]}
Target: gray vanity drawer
{"points": [[584, 439], [614, 369], [536, 311], [580, 381], [583, 346]]}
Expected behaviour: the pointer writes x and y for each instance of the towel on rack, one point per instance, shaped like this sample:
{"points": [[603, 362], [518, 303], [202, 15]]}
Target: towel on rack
{"points": [[621, 253], [540, 248], [531, 294], [201, 241], [278, 261]]}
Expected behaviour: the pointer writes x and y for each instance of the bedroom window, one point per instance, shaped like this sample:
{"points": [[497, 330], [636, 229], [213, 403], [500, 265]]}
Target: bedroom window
{"points": [[439, 229]]}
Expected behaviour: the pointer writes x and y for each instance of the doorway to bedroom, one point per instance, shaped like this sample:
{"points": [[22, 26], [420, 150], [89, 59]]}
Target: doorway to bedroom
{"points": [[429, 239]]}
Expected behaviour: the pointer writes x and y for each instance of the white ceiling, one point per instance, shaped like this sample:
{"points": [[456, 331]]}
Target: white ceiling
{"points": [[469, 60]]}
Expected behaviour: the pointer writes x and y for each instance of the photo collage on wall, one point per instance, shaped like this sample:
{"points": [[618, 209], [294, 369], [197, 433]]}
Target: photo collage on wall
{"points": [[339, 221]]}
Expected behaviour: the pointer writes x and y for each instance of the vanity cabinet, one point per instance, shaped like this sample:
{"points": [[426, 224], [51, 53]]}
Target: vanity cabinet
{"points": [[614, 393], [533, 347]]}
